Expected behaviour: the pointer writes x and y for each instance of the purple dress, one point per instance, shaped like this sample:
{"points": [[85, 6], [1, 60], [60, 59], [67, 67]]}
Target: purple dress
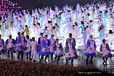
{"points": [[18, 43], [10, 44], [39, 43], [70, 49], [51, 45], [21, 43], [1, 46], [105, 50], [91, 48], [44, 47], [58, 49]]}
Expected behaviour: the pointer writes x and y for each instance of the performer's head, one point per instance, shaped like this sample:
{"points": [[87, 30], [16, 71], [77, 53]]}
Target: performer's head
{"points": [[52, 36], [91, 37], [46, 27], [18, 33], [38, 23], [41, 34], [10, 36], [57, 40], [73, 26], [82, 22], [90, 21], [26, 26], [102, 26], [110, 32], [22, 33], [103, 41], [53, 27], [33, 38], [70, 35], [27, 36], [46, 36]]}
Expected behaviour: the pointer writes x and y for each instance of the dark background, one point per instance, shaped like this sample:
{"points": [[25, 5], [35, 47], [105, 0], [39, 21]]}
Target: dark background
{"points": [[0, 2], [31, 4]]}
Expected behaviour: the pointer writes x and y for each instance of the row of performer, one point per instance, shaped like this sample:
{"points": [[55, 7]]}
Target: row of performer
{"points": [[51, 48]]}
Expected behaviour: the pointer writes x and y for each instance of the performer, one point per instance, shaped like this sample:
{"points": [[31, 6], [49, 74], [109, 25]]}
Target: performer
{"points": [[3, 28], [51, 44], [1, 45], [90, 26], [40, 41], [33, 48], [77, 29], [44, 48], [28, 51], [26, 30], [105, 15], [21, 44], [110, 39], [85, 36], [91, 48], [101, 32], [70, 49], [40, 45], [58, 50], [54, 31], [74, 31], [10, 44], [105, 51], [46, 31], [82, 27]]}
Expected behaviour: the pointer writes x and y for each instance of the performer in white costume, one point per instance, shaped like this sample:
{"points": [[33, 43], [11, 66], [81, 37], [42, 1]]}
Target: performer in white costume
{"points": [[33, 48]]}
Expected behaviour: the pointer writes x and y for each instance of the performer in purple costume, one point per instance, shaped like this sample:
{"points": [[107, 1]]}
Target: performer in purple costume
{"points": [[10, 45], [1, 45], [57, 50], [70, 49], [105, 51], [51, 44], [91, 48]]}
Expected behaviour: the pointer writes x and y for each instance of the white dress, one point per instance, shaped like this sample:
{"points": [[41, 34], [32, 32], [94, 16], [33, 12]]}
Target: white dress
{"points": [[28, 45], [33, 45], [51, 45]]}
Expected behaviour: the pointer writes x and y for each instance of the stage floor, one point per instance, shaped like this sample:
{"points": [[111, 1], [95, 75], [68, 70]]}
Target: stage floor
{"points": [[81, 61]]}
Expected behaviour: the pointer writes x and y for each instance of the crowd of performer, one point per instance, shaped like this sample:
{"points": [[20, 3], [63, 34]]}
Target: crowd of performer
{"points": [[46, 32], [51, 48]]}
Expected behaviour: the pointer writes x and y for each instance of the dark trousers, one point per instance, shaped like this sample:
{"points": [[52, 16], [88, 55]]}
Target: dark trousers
{"points": [[104, 60], [20, 53], [42, 57], [51, 57], [28, 56], [88, 58], [57, 59], [11, 54], [47, 56], [71, 62]]}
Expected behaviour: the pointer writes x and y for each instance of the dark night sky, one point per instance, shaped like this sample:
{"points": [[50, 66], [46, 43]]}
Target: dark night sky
{"points": [[30, 4]]}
